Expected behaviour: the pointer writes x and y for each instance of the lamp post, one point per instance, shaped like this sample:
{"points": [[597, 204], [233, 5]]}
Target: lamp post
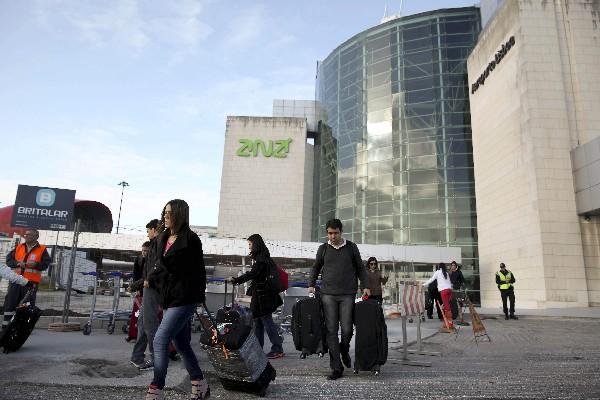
{"points": [[123, 184]]}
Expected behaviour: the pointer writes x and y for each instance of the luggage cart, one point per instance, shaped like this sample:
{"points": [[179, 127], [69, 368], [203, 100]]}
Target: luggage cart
{"points": [[112, 315]]}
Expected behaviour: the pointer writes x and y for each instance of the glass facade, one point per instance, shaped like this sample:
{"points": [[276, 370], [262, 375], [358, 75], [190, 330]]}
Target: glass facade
{"points": [[396, 102]]}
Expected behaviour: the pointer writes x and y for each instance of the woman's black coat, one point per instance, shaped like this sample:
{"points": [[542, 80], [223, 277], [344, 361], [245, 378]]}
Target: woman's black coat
{"points": [[180, 277], [264, 301]]}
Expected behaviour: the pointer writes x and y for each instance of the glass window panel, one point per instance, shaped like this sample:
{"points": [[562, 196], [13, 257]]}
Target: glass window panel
{"points": [[378, 80], [422, 191], [386, 208], [379, 104], [419, 44], [371, 210], [345, 188], [420, 109], [346, 200], [422, 162], [424, 205], [378, 67], [426, 220], [385, 237], [380, 154], [457, 27], [455, 79], [424, 176], [422, 148], [346, 213], [380, 181], [412, 32], [458, 119], [462, 220], [422, 57], [460, 175], [400, 236], [379, 116], [372, 236], [419, 71], [377, 92], [385, 193], [427, 82], [424, 236], [400, 192], [420, 96]]}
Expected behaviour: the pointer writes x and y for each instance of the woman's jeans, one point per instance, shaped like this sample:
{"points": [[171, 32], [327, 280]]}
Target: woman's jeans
{"points": [[339, 312], [176, 327], [266, 323]]}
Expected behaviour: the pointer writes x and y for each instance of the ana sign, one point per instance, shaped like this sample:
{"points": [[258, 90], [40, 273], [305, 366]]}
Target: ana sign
{"points": [[272, 148], [43, 208], [492, 64]]}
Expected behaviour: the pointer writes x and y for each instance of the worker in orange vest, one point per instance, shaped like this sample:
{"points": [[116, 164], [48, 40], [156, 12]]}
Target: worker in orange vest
{"points": [[28, 259]]}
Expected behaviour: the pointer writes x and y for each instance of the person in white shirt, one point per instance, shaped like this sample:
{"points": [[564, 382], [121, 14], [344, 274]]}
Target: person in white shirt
{"points": [[7, 273], [445, 288]]}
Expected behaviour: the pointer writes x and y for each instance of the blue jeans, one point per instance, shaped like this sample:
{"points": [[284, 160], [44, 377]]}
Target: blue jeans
{"points": [[339, 312], [176, 327], [266, 323]]}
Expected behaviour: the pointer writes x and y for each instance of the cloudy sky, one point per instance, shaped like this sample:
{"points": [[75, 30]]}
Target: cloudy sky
{"points": [[96, 92]]}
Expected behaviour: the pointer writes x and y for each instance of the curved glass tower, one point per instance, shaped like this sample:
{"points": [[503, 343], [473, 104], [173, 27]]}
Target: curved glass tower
{"points": [[396, 101]]}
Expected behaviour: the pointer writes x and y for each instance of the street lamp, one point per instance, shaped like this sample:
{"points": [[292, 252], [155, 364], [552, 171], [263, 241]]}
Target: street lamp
{"points": [[122, 183]]}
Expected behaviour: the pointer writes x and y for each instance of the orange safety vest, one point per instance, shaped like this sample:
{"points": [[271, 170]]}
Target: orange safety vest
{"points": [[35, 255]]}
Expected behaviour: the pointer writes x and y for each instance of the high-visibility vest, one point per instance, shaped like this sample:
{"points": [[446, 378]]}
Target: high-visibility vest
{"points": [[35, 255], [506, 279]]}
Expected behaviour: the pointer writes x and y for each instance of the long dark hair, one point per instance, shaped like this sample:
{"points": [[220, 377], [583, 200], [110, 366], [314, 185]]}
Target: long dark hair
{"points": [[259, 251], [372, 259], [442, 266], [180, 214]]}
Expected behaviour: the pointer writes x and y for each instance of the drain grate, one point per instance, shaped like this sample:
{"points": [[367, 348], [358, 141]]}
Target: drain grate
{"points": [[100, 368]]}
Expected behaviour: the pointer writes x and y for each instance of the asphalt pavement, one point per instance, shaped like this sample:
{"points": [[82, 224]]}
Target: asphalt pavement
{"points": [[533, 357]]}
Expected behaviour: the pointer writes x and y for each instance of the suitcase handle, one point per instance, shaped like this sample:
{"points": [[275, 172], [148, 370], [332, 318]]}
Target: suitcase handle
{"points": [[232, 294]]}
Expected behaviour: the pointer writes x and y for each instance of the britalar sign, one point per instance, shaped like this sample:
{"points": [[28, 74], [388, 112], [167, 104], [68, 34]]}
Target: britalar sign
{"points": [[43, 208]]}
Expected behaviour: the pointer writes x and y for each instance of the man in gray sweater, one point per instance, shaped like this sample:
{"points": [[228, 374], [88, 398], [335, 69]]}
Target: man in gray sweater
{"points": [[339, 263]]}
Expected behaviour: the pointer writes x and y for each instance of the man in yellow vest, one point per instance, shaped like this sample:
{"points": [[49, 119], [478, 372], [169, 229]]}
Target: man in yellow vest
{"points": [[505, 280], [28, 259]]}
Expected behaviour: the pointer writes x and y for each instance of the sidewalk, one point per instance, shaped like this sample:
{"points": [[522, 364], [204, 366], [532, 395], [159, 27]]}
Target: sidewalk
{"points": [[70, 358], [581, 312]]}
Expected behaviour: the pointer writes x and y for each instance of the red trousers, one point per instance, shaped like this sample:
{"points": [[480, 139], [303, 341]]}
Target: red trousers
{"points": [[446, 296]]}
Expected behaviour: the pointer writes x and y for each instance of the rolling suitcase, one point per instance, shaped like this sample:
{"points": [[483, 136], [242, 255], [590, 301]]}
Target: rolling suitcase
{"points": [[132, 327], [308, 330], [21, 325], [371, 341], [234, 352]]}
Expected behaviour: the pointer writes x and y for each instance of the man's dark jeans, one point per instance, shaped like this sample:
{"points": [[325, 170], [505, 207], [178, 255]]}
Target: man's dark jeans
{"points": [[510, 295], [339, 311]]}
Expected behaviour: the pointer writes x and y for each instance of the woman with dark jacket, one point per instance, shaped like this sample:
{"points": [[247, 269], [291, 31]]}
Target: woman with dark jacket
{"points": [[181, 279], [375, 280], [264, 300]]}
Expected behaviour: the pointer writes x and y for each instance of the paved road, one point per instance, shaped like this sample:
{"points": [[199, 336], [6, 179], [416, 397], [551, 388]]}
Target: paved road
{"points": [[530, 358]]}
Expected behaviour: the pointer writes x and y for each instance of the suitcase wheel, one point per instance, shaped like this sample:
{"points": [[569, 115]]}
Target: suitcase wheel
{"points": [[110, 329], [303, 355], [375, 372], [355, 371], [87, 329], [262, 392], [321, 355]]}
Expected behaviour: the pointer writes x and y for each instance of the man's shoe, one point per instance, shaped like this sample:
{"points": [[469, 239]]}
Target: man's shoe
{"points": [[335, 374], [148, 365], [154, 393], [137, 364], [506, 317], [513, 316], [347, 360], [274, 355]]}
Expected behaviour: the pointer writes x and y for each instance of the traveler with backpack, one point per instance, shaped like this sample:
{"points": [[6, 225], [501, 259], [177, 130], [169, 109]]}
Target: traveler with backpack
{"points": [[265, 294]]}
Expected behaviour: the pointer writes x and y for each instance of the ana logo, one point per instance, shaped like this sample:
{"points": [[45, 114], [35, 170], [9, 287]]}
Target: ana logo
{"points": [[273, 148], [45, 197]]}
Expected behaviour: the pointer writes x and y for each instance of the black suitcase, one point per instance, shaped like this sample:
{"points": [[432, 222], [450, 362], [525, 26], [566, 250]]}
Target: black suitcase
{"points": [[20, 327], [258, 387], [371, 341], [308, 331]]}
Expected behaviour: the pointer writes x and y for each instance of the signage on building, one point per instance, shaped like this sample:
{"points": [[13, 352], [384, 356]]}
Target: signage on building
{"points": [[43, 208], [270, 148], [492, 64]]}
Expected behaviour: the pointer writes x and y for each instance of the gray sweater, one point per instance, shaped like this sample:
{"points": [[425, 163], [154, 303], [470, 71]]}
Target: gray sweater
{"points": [[339, 269]]}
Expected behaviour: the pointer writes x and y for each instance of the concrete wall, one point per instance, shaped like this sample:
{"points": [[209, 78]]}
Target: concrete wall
{"points": [[526, 118], [266, 195]]}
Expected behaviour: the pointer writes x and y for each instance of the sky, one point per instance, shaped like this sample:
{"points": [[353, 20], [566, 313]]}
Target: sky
{"points": [[93, 93]]}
